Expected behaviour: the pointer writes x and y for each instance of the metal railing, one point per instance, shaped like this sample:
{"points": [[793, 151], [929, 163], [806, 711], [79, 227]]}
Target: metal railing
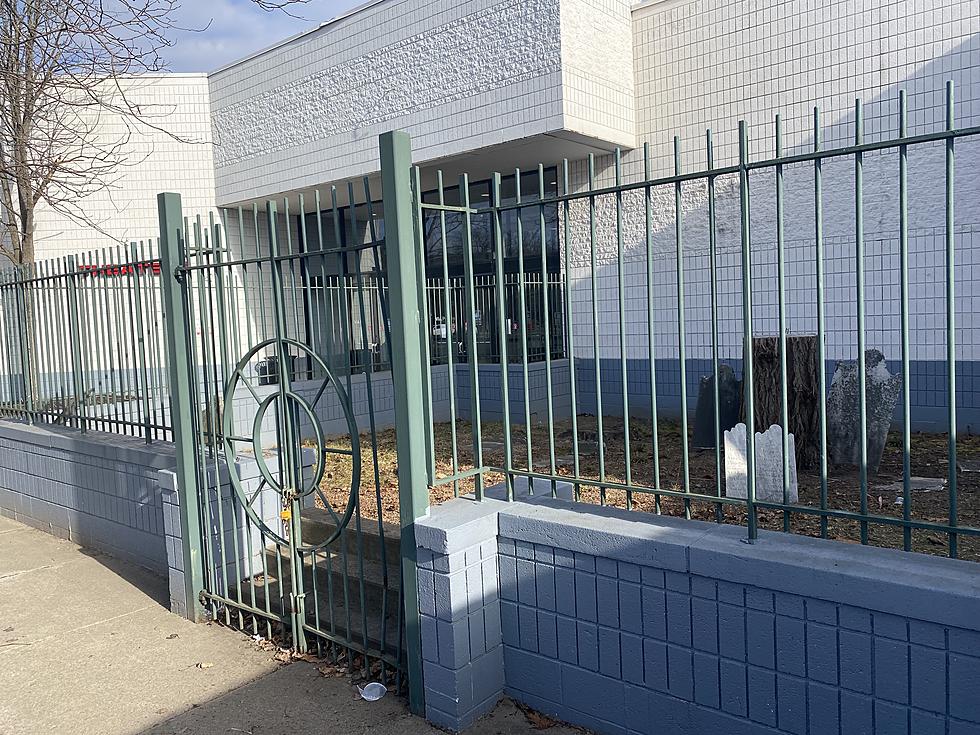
{"points": [[448, 325], [614, 262], [82, 343], [524, 302]]}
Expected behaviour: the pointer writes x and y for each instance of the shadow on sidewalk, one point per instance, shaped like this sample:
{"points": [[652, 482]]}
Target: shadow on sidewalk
{"points": [[147, 581]]}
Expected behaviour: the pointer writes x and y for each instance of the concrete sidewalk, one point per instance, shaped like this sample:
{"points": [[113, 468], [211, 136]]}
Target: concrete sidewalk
{"points": [[88, 646]]}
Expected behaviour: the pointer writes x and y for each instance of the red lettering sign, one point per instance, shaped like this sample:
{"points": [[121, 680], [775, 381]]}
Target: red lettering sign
{"points": [[112, 271]]}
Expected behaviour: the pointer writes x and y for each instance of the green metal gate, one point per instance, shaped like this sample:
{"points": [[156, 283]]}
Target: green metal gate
{"points": [[285, 345]]}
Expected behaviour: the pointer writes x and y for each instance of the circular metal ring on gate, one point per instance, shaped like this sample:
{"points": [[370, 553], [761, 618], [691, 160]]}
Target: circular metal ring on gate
{"points": [[268, 477], [295, 399]]}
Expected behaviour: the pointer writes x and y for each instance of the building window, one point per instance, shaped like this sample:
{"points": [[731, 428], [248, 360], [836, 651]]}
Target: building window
{"points": [[336, 285]]}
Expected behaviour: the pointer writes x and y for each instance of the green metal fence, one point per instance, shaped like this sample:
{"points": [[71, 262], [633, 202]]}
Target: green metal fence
{"points": [[279, 319], [270, 309], [576, 459], [82, 342]]}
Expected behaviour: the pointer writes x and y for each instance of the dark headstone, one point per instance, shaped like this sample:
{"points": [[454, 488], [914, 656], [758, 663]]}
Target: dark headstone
{"points": [[843, 417], [729, 407]]}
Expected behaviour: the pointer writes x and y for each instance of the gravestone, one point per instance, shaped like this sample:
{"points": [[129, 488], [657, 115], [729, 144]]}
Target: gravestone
{"points": [[768, 465], [729, 406], [843, 417]]}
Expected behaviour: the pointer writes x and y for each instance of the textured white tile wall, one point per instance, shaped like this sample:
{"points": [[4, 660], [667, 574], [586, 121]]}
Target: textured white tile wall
{"points": [[179, 160], [457, 75], [709, 63], [598, 91]]}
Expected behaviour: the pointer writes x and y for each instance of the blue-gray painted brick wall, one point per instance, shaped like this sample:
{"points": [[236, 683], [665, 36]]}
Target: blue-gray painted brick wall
{"points": [[628, 623], [462, 641], [119, 495], [491, 391], [97, 490]]}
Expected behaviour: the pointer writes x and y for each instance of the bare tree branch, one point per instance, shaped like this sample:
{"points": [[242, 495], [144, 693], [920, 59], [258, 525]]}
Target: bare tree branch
{"points": [[70, 71]]}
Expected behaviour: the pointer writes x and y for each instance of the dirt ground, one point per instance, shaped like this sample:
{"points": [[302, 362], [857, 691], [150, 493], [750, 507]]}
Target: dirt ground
{"points": [[929, 459]]}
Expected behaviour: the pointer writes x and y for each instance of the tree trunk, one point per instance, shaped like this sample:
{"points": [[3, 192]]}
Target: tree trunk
{"points": [[803, 395]]}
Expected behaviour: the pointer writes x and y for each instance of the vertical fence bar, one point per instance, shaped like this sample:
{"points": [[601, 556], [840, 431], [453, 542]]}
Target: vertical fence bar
{"points": [[821, 346], [111, 396], [290, 462], [744, 204], [74, 331], [90, 379], [681, 325], [623, 367], [59, 312], [859, 287], [472, 347], [368, 368], [546, 318], [781, 288], [42, 293], [569, 321], [143, 377], [26, 346], [181, 397], [522, 327], [903, 255], [713, 275], [951, 318], [503, 328], [425, 322], [651, 321], [127, 355], [385, 334], [447, 323], [596, 342], [396, 162]]}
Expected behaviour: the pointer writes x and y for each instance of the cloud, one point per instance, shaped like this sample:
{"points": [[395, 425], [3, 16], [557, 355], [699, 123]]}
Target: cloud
{"points": [[221, 31]]}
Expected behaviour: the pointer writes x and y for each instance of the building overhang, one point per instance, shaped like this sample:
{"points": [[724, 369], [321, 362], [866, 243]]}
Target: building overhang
{"points": [[479, 84]]}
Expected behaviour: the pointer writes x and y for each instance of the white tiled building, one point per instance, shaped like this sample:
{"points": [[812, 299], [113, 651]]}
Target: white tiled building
{"points": [[490, 85], [171, 151]]}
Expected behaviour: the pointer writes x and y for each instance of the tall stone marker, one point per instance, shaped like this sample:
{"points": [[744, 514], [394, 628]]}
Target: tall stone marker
{"points": [[729, 406], [843, 417], [768, 465]]}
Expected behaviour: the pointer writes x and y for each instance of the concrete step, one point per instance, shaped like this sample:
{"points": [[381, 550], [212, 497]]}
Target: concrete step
{"points": [[318, 525], [350, 617]]}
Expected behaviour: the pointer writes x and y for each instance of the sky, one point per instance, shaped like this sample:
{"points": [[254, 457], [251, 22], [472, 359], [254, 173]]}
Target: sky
{"points": [[237, 28]]}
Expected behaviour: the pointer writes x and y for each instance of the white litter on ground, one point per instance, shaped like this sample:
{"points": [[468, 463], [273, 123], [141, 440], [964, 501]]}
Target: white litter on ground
{"points": [[372, 692]]}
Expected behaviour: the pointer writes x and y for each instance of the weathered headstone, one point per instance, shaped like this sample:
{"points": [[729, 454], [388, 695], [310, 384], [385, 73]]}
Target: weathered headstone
{"points": [[768, 465], [729, 406], [843, 414]]}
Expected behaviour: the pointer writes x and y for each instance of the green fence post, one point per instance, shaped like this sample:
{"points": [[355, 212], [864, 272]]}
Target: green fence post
{"points": [[181, 397], [407, 374], [75, 331]]}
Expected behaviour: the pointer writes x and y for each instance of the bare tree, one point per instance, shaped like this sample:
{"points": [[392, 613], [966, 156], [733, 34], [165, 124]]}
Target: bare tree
{"points": [[67, 66]]}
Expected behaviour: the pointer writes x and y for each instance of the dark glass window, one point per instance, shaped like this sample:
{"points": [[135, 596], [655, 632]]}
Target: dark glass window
{"points": [[330, 280], [444, 236]]}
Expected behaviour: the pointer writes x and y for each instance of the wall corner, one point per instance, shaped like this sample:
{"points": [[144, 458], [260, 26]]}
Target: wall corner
{"points": [[459, 604]]}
